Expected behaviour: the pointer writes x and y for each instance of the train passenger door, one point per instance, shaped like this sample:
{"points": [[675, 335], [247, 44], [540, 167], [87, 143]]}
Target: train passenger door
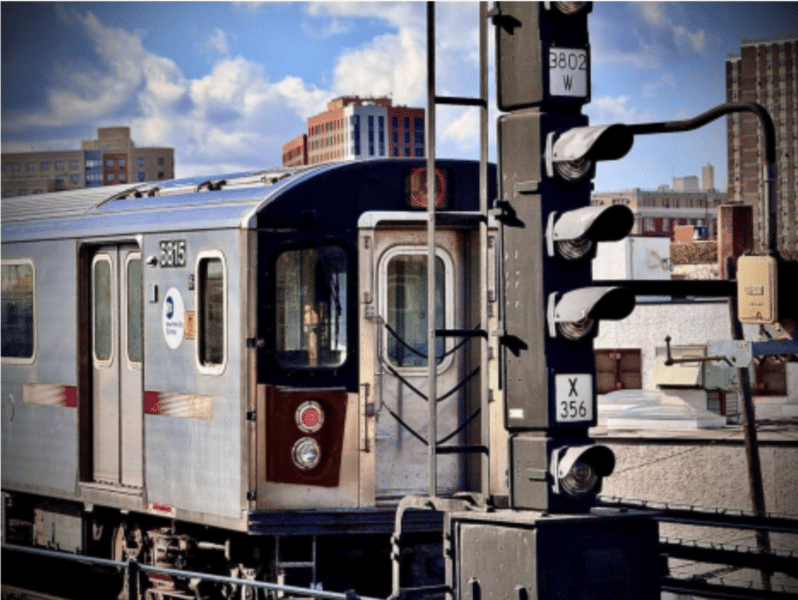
{"points": [[396, 323], [116, 371]]}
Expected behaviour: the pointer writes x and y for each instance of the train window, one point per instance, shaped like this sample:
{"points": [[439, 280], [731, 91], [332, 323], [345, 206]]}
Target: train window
{"points": [[19, 324], [407, 309], [134, 309], [211, 317], [103, 319], [311, 308]]}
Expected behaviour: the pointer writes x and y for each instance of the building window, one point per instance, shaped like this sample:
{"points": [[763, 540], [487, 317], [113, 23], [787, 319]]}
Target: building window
{"points": [[160, 175], [160, 161], [18, 310], [381, 134], [140, 162], [45, 165], [109, 162], [142, 175], [618, 370], [121, 162], [74, 164], [75, 178], [211, 312], [30, 166], [59, 165], [311, 308]]}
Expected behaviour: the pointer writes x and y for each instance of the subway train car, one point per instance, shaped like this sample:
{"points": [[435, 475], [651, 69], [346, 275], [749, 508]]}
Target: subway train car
{"points": [[230, 373]]}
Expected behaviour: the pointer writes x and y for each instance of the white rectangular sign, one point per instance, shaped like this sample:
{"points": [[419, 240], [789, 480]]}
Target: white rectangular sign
{"points": [[574, 397], [568, 70]]}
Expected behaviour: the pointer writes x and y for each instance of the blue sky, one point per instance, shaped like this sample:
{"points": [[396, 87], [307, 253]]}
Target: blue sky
{"points": [[226, 84]]}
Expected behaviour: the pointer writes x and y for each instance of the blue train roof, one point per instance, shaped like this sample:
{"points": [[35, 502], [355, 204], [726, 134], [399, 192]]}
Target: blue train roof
{"points": [[217, 202], [335, 191]]}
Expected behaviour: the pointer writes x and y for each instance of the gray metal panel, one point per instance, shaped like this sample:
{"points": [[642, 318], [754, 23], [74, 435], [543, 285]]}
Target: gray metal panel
{"points": [[122, 224], [40, 443], [131, 388], [57, 204], [105, 374], [194, 464], [110, 210], [526, 375]]}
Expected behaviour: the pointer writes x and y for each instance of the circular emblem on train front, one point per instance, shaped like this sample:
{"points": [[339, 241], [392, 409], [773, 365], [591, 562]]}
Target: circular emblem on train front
{"points": [[173, 317]]}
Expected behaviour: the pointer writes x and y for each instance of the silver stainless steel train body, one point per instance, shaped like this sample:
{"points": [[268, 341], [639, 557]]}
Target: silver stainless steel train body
{"points": [[246, 353]]}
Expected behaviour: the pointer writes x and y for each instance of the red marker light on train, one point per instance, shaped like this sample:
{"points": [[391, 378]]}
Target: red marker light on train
{"points": [[416, 188], [309, 416]]}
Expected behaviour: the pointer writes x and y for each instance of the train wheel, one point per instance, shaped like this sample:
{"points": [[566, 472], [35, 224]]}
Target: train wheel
{"points": [[127, 543]]}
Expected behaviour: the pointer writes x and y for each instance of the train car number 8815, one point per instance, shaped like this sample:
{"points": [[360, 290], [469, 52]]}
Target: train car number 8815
{"points": [[173, 253]]}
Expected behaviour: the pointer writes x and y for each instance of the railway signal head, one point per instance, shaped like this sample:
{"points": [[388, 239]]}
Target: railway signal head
{"points": [[557, 474]]}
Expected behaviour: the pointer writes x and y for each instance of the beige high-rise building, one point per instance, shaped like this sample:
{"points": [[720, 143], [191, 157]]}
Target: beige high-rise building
{"points": [[707, 178], [111, 159]]}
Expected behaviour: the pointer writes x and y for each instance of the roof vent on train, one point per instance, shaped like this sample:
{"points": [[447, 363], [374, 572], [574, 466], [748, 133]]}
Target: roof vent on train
{"points": [[190, 185], [212, 185]]}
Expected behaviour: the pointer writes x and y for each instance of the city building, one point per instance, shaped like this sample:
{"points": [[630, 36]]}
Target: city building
{"points": [[112, 158], [657, 212], [765, 71], [355, 128]]}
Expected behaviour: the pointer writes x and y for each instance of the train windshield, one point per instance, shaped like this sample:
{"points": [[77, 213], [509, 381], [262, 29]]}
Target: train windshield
{"points": [[311, 308]]}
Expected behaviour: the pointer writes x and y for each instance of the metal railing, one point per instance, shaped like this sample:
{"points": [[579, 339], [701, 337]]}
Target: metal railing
{"points": [[135, 568]]}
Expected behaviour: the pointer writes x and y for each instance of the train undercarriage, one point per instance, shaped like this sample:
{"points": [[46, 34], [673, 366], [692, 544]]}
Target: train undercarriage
{"points": [[321, 559]]}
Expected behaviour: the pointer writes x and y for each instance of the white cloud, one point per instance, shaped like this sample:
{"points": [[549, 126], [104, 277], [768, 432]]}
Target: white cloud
{"points": [[392, 64], [655, 15], [234, 117], [663, 82], [611, 110], [334, 27], [218, 42]]}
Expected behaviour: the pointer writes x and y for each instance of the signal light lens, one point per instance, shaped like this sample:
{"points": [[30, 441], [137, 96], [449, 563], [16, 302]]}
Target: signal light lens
{"points": [[576, 248], [306, 453], [573, 170], [580, 480], [309, 416], [575, 330]]}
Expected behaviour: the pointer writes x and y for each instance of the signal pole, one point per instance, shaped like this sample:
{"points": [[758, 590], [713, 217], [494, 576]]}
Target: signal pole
{"points": [[553, 542]]}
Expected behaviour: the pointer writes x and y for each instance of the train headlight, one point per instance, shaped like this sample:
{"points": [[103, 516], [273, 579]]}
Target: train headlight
{"points": [[309, 416], [306, 453]]}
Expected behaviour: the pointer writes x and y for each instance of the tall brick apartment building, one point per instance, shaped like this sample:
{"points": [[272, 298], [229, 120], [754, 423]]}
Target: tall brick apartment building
{"points": [[355, 128], [110, 159], [765, 71]]}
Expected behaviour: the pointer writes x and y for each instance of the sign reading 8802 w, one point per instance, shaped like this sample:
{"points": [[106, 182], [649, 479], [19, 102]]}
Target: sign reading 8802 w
{"points": [[568, 72]]}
